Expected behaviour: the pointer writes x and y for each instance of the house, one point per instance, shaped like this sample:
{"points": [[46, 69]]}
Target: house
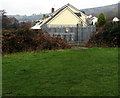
{"points": [[66, 15], [66, 22], [93, 20], [90, 16], [115, 19]]}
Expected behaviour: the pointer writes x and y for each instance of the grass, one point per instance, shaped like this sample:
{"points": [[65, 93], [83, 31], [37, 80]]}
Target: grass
{"points": [[90, 72]]}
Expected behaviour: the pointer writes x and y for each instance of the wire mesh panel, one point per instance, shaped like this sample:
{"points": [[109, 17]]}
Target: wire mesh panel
{"points": [[71, 33]]}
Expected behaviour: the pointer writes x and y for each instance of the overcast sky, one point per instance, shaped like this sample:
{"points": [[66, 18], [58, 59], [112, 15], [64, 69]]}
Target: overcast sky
{"points": [[29, 7]]}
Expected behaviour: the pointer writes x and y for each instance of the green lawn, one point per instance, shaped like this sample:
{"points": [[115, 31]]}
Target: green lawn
{"points": [[90, 72]]}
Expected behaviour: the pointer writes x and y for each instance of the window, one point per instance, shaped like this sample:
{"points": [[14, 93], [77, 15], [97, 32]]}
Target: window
{"points": [[71, 29]]}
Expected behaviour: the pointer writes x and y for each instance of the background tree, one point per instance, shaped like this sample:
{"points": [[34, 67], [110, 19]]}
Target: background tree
{"points": [[5, 20], [9, 23], [101, 19], [25, 25]]}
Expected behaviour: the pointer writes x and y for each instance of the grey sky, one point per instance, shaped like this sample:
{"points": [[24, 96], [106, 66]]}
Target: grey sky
{"points": [[29, 7]]}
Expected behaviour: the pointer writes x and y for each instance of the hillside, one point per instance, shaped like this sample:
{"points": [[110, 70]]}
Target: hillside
{"points": [[26, 18], [107, 10]]}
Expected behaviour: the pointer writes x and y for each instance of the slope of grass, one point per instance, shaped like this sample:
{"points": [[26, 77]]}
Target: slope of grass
{"points": [[90, 72]]}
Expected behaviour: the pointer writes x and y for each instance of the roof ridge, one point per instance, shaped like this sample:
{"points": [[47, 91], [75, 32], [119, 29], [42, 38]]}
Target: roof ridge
{"points": [[59, 9]]}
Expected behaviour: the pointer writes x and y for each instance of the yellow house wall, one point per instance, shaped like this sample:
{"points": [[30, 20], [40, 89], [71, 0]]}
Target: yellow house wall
{"points": [[64, 18]]}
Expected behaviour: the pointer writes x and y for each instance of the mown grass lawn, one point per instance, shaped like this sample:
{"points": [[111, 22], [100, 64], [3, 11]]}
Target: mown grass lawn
{"points": [[90, 72]]}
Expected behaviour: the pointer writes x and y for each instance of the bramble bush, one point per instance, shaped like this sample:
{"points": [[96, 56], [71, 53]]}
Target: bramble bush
{"points": [[30, 40], [108, 37]]}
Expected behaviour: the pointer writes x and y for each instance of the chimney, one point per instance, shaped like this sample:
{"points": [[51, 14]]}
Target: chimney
{"points": [[52, 10], [44, 15]]}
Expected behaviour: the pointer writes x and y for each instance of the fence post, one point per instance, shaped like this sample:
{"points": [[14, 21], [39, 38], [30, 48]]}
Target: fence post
{"points": [[77, 33]]}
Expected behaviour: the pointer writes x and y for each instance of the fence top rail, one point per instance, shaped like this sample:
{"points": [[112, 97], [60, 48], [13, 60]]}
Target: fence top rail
{"points": [[59, 26], [51, 33]]}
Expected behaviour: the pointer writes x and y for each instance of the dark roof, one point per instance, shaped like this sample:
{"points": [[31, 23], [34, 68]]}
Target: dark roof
{"points": [[78, 14], [82, 11]]}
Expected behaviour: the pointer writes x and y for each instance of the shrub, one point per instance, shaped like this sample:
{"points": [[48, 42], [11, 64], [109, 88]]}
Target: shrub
{"points": [[108, 37], [29, 40]]}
